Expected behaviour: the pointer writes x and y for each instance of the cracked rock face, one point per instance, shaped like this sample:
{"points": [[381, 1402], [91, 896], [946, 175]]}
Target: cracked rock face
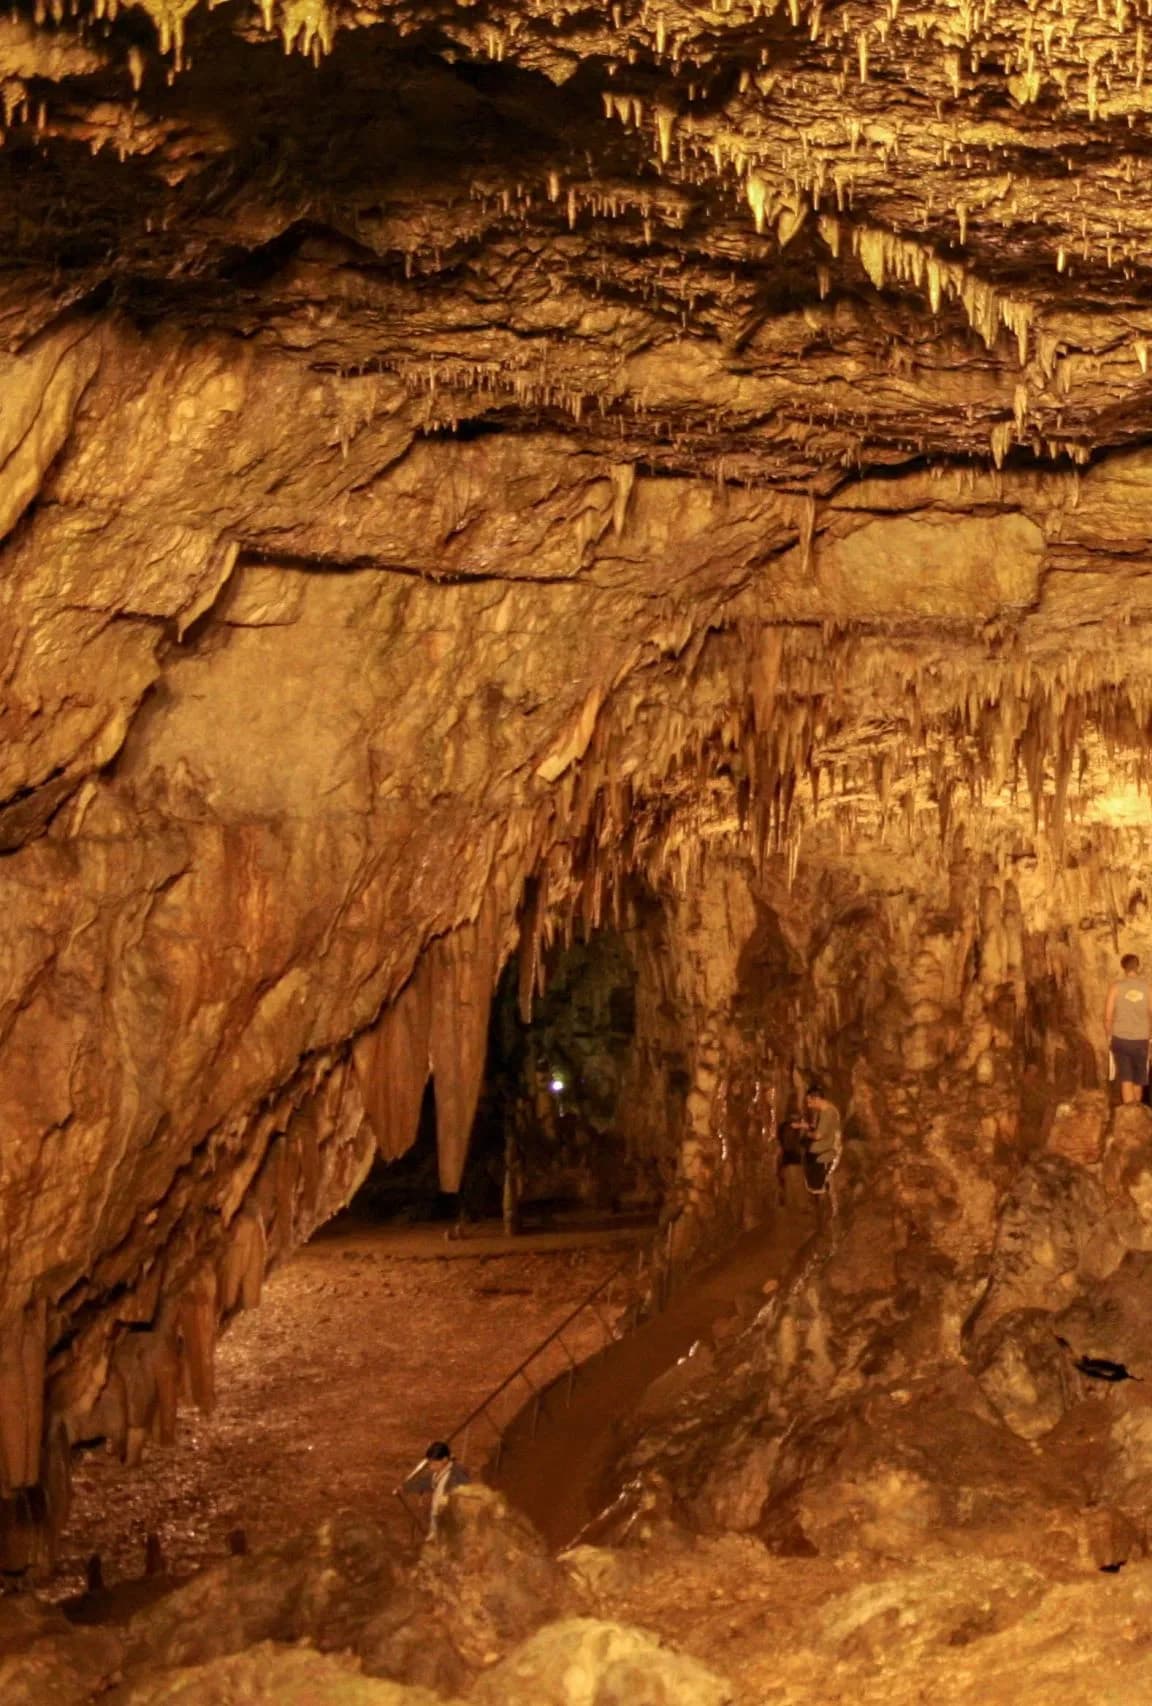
{"points": [[470, 474]]}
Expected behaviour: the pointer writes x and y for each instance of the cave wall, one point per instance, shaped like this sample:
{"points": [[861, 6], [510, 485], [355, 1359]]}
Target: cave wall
{"points": [[281, 732], [457, 471], [925, 1380]]}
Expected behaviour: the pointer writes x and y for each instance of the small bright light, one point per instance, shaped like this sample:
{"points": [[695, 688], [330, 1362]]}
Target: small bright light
{"points": [[555, 1085]]}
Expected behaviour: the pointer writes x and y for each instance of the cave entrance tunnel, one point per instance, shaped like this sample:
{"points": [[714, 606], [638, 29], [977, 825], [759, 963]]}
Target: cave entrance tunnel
{"points": [[553, 1145]]}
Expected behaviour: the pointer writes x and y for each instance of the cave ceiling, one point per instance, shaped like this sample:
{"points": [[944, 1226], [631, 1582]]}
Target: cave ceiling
{"points": [[805, 347], [762, 243]]}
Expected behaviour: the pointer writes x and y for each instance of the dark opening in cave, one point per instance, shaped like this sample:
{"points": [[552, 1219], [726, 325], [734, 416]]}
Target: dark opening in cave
{"points": [[552, 1144]]}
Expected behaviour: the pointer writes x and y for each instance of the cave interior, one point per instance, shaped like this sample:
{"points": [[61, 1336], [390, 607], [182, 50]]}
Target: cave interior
{"points": [[567, 569]]}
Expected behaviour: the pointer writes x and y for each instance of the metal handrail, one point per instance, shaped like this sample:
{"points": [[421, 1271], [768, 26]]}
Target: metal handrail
{"points": [[520, 1372]]}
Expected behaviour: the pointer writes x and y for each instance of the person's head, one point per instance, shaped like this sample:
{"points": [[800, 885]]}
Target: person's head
{"points": [[438, 1452], [815, 1095], [1130, 964]]}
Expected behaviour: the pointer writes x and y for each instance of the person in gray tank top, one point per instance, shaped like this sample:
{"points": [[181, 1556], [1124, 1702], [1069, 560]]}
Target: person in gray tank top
{"points": [[1126, 1022]]}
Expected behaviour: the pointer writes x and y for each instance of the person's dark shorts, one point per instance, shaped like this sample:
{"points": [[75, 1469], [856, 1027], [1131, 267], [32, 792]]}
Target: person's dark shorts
{"points": [[1131, 1059]]}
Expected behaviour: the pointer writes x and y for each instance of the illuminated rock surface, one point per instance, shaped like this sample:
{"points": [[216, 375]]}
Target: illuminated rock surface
{"points": [[473, 473]]}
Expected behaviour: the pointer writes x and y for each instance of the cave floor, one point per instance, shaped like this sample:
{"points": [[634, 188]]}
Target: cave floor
{"points": [[368, 1343]]}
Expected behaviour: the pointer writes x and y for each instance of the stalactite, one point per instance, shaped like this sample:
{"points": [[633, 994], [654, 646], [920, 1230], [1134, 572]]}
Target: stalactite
{"points": [[198, 1333], [463, 974], [304, 1138], [133, 1365], [241, 1269], [109, 1418], [167, 1366], [529, 960], [274, 1193], [56, 1485], [392, 1063], [22, 1359]]}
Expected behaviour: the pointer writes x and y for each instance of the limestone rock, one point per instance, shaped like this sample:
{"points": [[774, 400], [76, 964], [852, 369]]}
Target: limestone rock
{"points": [[482, 1584], [1078, 1127], [650, 457], [595, 1572], [320, 1588], [269, 1675], [582, 1662], [44, 1661], [666, 1391], [1025, 1373]]}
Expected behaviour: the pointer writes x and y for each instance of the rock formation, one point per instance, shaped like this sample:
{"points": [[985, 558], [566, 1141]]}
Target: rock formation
{"points": [[469, 474]]}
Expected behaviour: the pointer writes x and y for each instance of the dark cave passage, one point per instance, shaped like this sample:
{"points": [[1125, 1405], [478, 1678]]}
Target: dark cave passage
{"points": [[553, 1144]]}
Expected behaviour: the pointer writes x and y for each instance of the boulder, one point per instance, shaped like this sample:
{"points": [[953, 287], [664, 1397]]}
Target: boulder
{"points": [[484, 1583], [1078, 1126], [595, 1573], [44, 1661], [1108, 1322], [1024, 1372], [268, 1675], [584, 1662], [321, 1587], [918, 1474]]}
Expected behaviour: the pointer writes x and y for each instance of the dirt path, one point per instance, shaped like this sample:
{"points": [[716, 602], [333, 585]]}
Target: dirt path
{"points": [[367, 1345], [555, 1477]]}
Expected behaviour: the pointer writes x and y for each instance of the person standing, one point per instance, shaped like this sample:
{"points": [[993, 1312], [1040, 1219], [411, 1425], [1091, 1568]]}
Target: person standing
{"points": [[825, 1140], [436, 1475], [1126, 1025]]}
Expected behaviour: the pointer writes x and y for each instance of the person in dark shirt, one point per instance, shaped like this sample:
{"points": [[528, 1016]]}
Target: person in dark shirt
{"points": [[436, 1476]]}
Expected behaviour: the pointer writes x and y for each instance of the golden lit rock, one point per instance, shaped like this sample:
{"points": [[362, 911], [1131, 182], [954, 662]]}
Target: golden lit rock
{"points": [[472, 482]]}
